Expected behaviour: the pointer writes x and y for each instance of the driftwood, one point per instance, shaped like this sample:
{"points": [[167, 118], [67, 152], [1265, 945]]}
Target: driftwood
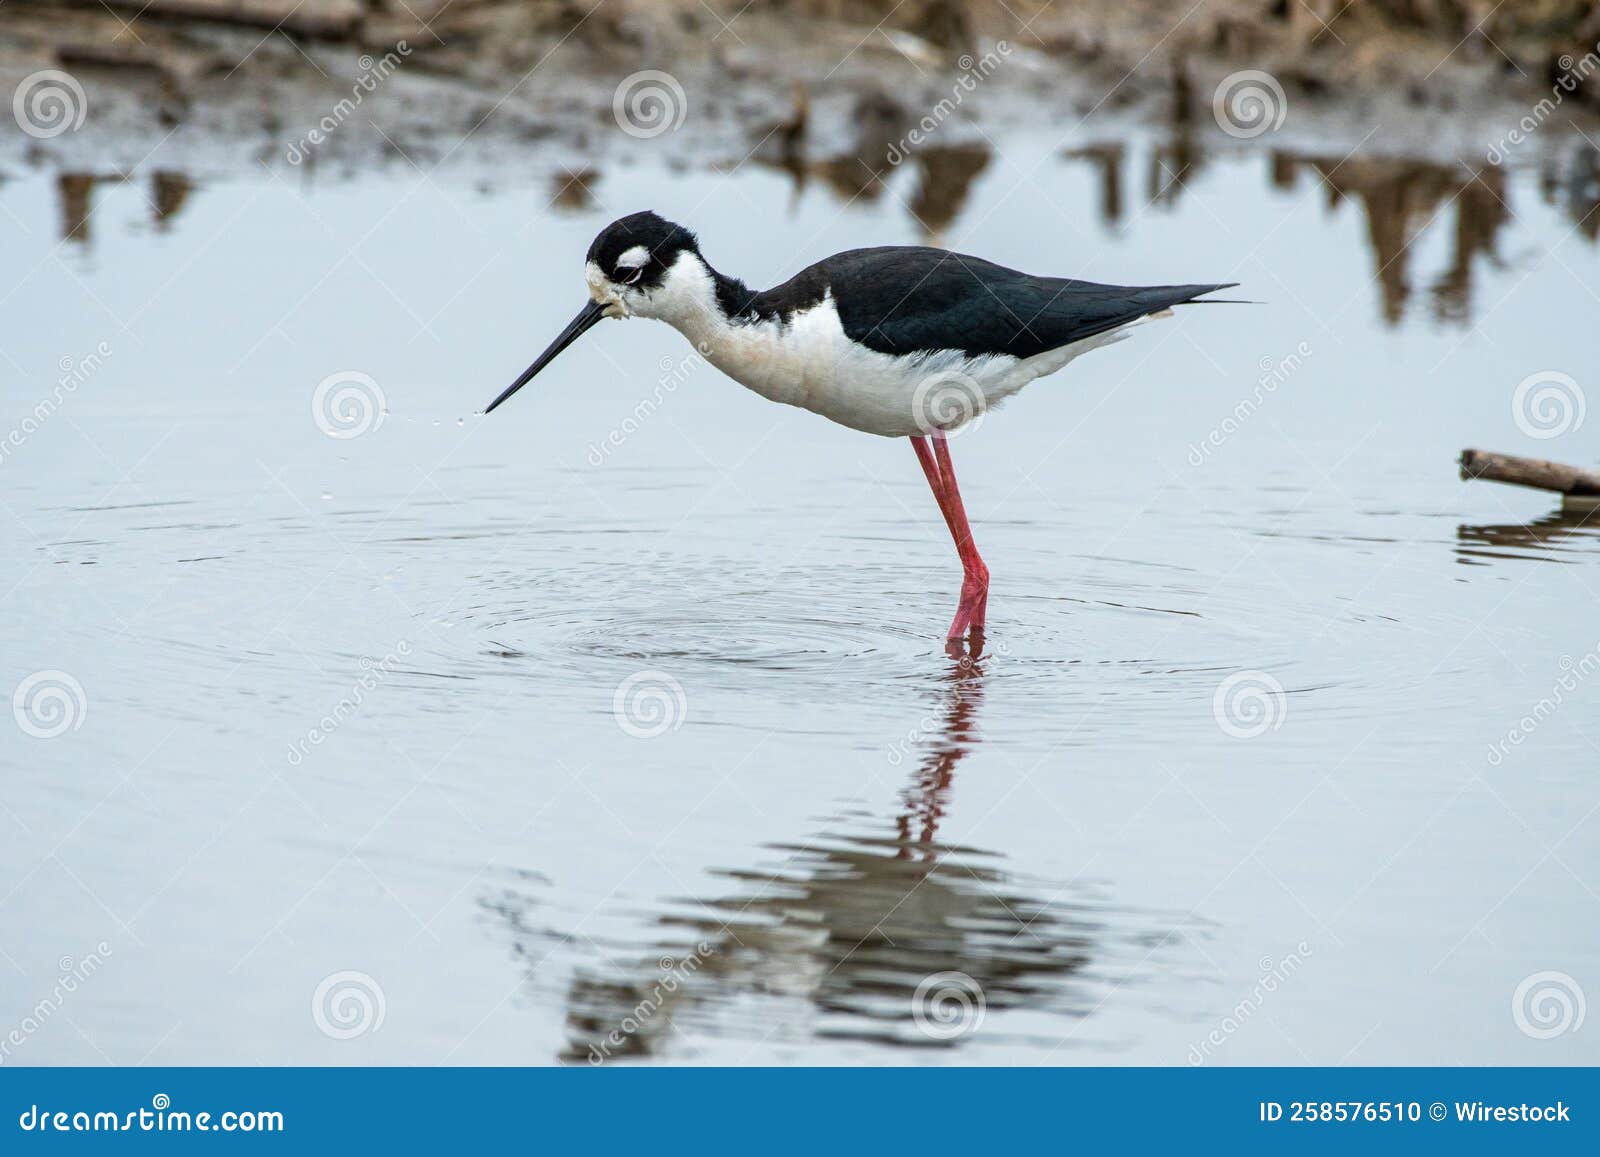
{"points": [[1573, 481]]}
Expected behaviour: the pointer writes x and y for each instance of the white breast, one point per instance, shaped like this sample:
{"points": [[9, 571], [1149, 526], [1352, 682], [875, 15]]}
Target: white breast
{"points": [[809, 362], [812, 364]]}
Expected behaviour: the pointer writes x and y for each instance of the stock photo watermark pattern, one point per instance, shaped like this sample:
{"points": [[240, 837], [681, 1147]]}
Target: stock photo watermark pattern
{"points": [[1249, 103], [674, 373], [948, 1005], [674, 972], [348, 404], [1275, 372], [1572, 73], [649, 103], [73, 973], [48, 704], [74, 373], [1573, 674], [648, 704], [1248, 704], [973, 72], [373, 674], [948, 401], [1548, 404], [1274, 974], [373, 72], [348, 1004], [1547, 1005], [49, 103]]}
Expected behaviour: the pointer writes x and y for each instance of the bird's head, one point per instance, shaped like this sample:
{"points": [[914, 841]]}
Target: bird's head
{"points": [[634, 268]]}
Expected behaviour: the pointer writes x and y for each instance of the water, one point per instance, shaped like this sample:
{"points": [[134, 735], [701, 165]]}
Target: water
{"points": [[617, 726]]}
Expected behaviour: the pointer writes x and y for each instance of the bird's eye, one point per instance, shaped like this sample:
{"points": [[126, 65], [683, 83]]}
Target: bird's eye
{"points": [[626, 277]]}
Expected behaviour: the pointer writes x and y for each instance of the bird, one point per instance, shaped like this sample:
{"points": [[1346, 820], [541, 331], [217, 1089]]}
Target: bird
{"points": [[900, 341]]}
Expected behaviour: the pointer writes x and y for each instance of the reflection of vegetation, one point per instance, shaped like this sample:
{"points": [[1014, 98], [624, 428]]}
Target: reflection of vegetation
{"points": [[572, 190], [1107, 158], [1172, 166], [839, 934], [169, 191], [1576, 188], [77, 204], [945, 173], [945, 179], [1401, 199]]}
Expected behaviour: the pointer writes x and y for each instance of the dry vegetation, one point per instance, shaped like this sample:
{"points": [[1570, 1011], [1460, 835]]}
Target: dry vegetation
{"points": [[529, 69]]}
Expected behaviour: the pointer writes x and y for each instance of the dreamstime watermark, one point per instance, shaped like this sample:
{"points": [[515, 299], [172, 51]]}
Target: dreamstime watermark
{"points": [[71, 973], [1548, 1004], [1273, 375], [348, 404], [973, 74], [1573, 72], [649, 103], [48, 103], [1273, 975], [948, 1005], [1249, 103], [373, 73], [74, 372], [48, 704], [674, 372], [348, 1004], [948, 401], [674, 973], [160, 1117], [649, 703], [1249, 703], [372, 674], [1548, 404], [1573, 672]]}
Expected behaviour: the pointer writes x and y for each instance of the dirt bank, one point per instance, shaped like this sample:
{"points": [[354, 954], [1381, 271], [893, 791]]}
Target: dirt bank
{"points": [[505, 86]]}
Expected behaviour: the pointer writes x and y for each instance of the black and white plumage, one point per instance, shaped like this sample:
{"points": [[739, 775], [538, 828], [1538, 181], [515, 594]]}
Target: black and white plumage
{"points": [[899, 341], [896, 340]]}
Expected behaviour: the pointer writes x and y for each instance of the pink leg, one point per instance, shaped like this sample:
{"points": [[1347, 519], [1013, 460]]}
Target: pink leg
{"points": [[973, 608], [975, 579]]}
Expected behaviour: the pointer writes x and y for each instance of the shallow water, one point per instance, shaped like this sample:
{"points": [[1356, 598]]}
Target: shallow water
{"points": [[617, 726]]}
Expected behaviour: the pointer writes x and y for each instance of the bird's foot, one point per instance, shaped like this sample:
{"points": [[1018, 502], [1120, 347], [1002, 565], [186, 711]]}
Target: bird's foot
{"points": [[973, 608], [965, 639]]}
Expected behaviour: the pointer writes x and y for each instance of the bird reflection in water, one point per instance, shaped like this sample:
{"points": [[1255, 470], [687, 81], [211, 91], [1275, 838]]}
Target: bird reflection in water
{"points": [[834, 941]]}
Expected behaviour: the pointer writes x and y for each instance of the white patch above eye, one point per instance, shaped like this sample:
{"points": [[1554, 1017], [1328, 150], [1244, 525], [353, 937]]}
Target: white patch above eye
{"points": [[634, 258]]}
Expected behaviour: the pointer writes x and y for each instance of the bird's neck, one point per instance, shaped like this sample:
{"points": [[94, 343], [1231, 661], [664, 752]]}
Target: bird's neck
{"points": [[698, 301]]}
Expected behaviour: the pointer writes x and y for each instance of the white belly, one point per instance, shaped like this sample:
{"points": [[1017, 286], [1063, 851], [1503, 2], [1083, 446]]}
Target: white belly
{"points": [[812, 364]]}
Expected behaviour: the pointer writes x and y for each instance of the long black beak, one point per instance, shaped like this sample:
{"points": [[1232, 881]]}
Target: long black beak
{"points": [[591, 313]]}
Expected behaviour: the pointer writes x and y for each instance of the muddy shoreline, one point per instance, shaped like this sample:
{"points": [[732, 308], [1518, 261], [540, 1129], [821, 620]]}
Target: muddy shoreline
{"points": [[490, 91]]}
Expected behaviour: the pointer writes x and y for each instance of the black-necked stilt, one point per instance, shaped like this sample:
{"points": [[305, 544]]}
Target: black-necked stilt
{"points": [[900, 341]]}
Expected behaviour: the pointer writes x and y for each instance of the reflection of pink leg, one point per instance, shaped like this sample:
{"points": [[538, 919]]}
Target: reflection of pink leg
{"points": [[941, 475]]}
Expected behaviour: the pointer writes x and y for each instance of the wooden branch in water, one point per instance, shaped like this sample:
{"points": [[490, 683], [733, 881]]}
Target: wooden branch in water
{"points": [[1534, 472]]}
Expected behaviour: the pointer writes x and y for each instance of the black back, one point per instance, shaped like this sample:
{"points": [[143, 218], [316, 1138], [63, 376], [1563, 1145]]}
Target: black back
{"points": [[908, 299], [911, 299]]}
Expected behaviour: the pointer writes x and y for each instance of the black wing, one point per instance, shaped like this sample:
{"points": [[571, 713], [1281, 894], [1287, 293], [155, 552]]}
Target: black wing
{"points": [[911, 299]]}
